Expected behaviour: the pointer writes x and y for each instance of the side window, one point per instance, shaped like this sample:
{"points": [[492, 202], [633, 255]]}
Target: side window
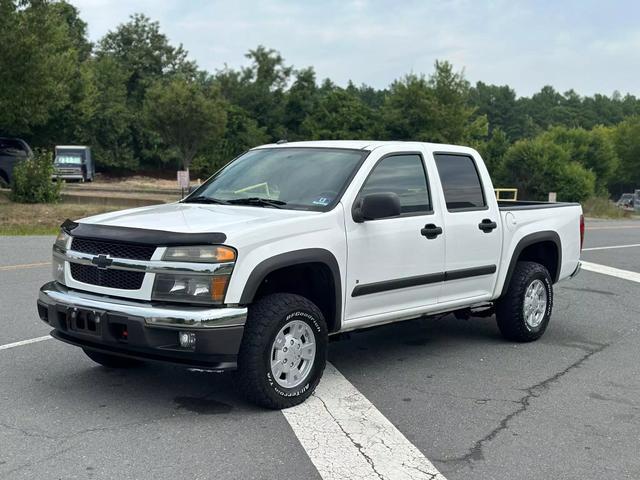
{"points": [[405, 176], [460, 181]]}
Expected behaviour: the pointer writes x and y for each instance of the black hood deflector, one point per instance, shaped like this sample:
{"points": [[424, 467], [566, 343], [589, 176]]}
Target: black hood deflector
{"points": [[140, 236]]}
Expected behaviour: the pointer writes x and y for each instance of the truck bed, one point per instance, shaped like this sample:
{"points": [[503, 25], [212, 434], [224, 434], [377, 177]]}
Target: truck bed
{"points": [[531, 205]]}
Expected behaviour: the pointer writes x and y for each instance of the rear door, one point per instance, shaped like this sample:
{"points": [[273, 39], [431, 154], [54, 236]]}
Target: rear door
{"points": [[473, 239], [394, 264]]}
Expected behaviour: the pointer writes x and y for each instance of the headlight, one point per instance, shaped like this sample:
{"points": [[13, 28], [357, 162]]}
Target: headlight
{"points": [[200, 254], [195, 288], [62, 239], [190, 288]]}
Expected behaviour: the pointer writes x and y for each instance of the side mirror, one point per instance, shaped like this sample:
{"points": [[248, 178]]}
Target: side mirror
{"points": [[375, 206]]}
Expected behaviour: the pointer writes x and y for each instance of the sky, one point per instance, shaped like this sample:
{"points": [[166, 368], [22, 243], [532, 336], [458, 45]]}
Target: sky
{"points": [[590, 46]]}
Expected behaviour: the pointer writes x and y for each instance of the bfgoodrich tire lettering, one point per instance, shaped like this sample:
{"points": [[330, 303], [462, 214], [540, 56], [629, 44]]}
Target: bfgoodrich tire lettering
{"points": [[511, 308], [267, 317]]}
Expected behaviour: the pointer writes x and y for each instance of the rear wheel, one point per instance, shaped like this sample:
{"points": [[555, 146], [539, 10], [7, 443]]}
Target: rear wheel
{"points": [[523, 313], [283, 352], [111, 361]]}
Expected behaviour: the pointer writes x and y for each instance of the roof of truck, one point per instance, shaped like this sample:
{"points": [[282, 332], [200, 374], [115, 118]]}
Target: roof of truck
{"points": [[363, 144]]}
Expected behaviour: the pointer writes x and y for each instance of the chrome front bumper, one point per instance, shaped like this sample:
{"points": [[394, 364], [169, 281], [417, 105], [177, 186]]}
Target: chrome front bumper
{"points": [[154, 315], [143, 330]]}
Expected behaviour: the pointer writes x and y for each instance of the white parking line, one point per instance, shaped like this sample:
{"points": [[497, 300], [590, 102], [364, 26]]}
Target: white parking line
{"points": [[613, 227], [24, 342], [612, 246], [615, 272], [346, 437]]}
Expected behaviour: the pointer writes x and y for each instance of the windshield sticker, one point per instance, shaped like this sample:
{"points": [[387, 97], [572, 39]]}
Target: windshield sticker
{"points": [[324, 201]]}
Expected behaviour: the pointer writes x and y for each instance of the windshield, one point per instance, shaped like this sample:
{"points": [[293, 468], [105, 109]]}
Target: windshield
{"points": [[296, 178], [12, 148], [69, 158]]}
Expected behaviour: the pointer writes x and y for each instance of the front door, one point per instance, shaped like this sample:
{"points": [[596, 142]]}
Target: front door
{"points": [[394, 264]]}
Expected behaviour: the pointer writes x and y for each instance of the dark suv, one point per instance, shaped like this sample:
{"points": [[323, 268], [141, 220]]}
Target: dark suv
{"points": [[12, 151]]}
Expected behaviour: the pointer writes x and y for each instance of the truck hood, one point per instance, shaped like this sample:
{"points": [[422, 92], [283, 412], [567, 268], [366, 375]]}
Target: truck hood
{"points": [[198, 218]]}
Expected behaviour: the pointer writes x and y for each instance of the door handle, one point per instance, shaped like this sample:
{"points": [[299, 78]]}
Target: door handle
{"points": [[431, 231], [487, 225]]}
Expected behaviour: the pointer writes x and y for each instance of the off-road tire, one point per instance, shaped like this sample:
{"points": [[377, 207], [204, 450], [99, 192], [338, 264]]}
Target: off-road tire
{"points": [[510, 308], [265, 319], [111, 361]]}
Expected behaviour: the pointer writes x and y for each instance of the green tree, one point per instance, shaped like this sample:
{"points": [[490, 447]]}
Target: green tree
{"points": [[260, 88], [538, 166], [64, 124], [499, 104], [106, 116], [185, 116], [145, 56], [626, 137], [144, 52], [493, 151], [593, 149], [433, 110], [38, 61], [339, 115], [408, 112], [456, 119], [301, 101], [241, 133]]}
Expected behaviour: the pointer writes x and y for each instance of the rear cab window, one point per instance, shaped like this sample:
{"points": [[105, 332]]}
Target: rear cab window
{"points": [[461, 182], [404, 175]]}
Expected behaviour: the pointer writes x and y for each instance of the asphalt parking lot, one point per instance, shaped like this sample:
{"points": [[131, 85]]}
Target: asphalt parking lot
{"points": [[567, 406]]}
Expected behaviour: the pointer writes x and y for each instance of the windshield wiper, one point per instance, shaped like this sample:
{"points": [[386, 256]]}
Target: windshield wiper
{"points": [[257, 201], [205, 199]]}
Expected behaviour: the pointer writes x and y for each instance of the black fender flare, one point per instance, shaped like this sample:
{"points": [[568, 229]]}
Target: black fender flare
{"points": [[526, 241], [288, 259]]}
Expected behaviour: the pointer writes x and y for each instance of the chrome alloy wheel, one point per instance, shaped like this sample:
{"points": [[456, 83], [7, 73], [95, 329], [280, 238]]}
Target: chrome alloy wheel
{"points": [[535, 304], [292, 354]]}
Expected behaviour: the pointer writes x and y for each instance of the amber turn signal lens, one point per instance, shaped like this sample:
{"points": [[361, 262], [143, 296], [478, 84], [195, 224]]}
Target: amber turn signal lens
{"points": [[200, 254], [219, 287], [225, 254]]}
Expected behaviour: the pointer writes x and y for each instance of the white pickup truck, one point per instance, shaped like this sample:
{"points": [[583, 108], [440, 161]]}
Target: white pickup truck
{"points": [[293, 242]]}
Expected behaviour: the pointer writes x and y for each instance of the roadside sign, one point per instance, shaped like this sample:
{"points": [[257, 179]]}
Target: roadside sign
{"points": [[553, 196], [183, 179]]}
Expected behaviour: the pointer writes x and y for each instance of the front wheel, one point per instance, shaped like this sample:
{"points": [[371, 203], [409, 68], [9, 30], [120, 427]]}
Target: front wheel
{"points": [[283, 352], [523, 313]]}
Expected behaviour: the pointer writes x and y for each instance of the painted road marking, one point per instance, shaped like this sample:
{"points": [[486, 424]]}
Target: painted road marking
{"points": [[25, 342], [346, 437], [24, 265], [615, 272], [613, 246], [612, 227]]}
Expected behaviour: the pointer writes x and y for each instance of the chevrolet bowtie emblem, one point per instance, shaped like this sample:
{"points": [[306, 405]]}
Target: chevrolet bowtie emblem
{"points": [[102, 261]]}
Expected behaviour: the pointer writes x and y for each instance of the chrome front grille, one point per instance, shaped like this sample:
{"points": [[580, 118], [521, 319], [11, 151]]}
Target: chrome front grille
{"points": [[106, 277], [120, 279]]}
